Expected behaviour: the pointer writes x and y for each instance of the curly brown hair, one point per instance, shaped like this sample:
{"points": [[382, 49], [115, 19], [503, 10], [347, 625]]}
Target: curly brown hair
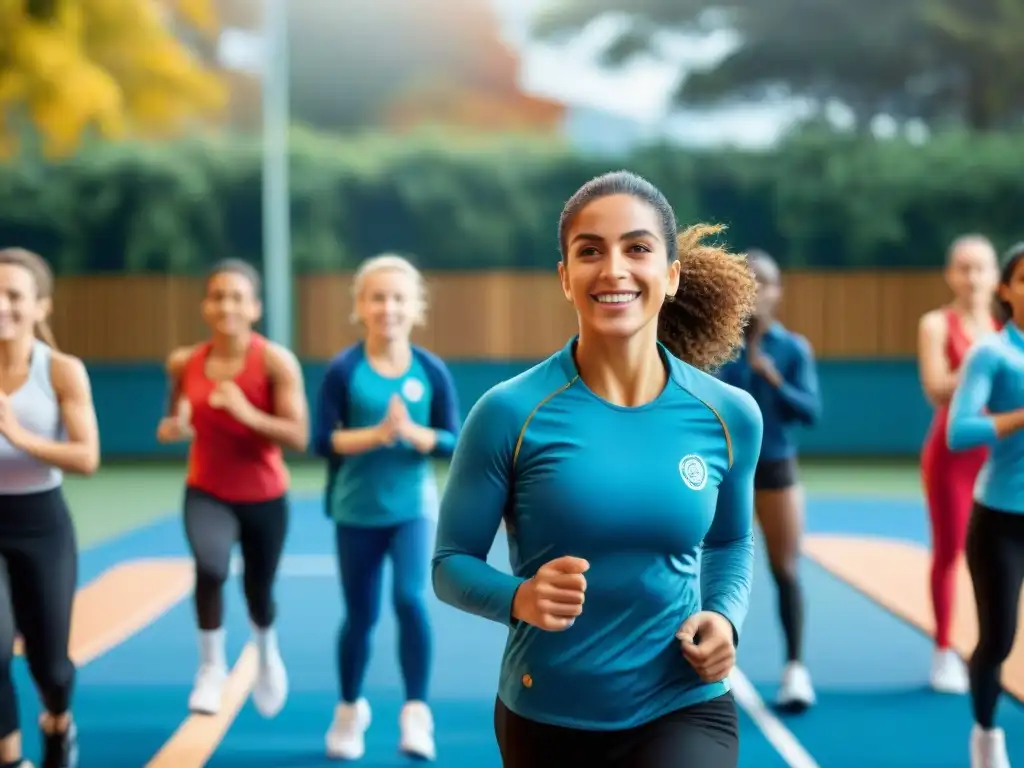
{"points": [[703, 323], [42, 276]]}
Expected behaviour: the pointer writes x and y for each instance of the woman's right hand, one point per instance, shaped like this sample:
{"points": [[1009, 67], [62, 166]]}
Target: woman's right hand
{"points": [[390, 429], [553, 598], [177, 427], [173, 430]]}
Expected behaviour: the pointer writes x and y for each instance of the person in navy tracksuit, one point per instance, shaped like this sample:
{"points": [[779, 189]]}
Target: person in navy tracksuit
{"points": [[777, 367]]}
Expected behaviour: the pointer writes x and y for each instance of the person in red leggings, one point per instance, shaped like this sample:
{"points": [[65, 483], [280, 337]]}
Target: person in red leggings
{"points": [[239, 398], [944, 337]]}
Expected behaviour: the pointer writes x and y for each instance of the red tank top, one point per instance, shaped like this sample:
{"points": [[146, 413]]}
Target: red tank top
{"points": [[227, 459], [958, 344]]}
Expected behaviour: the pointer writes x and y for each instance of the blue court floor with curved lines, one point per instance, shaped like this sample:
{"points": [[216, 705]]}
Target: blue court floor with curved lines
{"points": [[870, 668]]}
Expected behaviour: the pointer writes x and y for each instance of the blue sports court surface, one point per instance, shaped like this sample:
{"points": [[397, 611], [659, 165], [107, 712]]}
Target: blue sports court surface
{"points": [[870, 663]]}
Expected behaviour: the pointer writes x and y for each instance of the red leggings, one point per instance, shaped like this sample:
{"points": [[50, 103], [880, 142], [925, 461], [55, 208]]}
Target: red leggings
{"points": [[949, 490]]}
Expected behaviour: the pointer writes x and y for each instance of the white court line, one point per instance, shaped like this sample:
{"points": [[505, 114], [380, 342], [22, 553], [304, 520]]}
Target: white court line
{"points": [[778, 735]]}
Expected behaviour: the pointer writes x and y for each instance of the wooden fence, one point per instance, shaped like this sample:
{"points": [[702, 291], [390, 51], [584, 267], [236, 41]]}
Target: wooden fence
{"points": [[476, 315]]}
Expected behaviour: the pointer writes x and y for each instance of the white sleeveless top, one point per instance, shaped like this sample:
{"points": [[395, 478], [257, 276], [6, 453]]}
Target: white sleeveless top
{"points": [[37, 410]]}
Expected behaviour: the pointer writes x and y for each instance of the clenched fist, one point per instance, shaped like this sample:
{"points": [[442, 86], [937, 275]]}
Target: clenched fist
{"points": [[553, 598]]}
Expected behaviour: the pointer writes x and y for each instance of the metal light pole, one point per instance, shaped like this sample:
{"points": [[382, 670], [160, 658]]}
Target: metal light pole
{"points": [[277, 253]]}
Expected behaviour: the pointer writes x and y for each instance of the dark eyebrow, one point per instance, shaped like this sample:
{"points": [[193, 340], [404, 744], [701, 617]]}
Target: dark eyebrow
{"points": [[635, 234]]}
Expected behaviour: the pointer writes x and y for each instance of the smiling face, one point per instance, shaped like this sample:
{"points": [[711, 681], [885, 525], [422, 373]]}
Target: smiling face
{"points": [[389, 303], [21, 307], [616, 270], [231, 306]]}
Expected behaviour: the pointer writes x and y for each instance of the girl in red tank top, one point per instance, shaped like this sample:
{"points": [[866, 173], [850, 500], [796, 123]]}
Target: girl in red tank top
{"points": [[944, 339], [239, 399]]}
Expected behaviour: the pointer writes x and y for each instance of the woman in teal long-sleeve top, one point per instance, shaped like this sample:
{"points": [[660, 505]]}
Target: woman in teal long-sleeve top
{"points": [[988, 409], [625, 472]]}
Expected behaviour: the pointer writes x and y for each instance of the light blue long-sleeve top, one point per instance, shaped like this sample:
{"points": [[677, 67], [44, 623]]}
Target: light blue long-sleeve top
{"points": [[992, 382], [649, 496]]}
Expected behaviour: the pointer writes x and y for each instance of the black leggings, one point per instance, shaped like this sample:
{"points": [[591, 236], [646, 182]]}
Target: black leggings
{"points": [[213, 527], [38, 577], [995, 556], [702, 736]]}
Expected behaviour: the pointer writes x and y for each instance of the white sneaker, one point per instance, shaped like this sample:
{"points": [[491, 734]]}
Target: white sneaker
{"points": [[949, 673], [270, 691], [208, 689], [417, 726], [346, 737], [988, 748], [796, 693]]}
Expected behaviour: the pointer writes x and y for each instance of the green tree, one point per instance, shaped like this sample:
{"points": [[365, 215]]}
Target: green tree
{"points": [[934, 60]]}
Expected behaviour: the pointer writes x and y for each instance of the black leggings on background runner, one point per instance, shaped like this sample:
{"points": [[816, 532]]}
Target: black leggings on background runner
{"points": [[702, 736], [38, 577], [995, 556], [213, 527]]}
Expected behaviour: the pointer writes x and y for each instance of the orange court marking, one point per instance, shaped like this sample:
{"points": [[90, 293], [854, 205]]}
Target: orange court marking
{"points": [[195, 741], [895, 575], [121, 601]]}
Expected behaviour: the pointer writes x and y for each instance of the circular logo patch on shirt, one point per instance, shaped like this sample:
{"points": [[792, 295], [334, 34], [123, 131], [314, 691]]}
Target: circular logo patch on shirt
{"points": [[412, 390], [694, 471]]}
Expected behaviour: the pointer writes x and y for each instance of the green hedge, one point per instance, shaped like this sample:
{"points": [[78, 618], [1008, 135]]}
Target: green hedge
{"points": [[463, 203]]}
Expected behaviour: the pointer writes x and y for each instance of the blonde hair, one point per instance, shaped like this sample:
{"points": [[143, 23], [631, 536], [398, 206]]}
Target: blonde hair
{"points": [[391, 262], [42, 276]]}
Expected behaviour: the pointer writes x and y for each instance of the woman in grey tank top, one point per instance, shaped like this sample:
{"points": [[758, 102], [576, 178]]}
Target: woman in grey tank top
{"points": [[47, 427]]}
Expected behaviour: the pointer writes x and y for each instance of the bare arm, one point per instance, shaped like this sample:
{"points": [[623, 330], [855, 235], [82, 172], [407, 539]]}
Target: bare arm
{"points": [[937, 380], [349, 442], [80, 452], [288, 425], [174, 427]]}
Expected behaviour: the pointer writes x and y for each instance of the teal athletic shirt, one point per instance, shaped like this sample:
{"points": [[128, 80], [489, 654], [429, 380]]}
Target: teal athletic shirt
{"points": [[992, 381], [649, 496], [390, 485]]}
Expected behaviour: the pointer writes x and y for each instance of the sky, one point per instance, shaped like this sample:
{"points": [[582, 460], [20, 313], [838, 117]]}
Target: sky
{"points": [[640, 91]]}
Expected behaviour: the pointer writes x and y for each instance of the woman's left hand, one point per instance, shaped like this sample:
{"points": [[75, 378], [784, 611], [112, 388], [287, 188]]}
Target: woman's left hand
{"points": [[707, 641], [9, 426]]}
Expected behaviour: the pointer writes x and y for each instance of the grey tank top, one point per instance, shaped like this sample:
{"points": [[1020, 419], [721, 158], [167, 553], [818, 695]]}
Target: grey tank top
{"points": [[37, 410]]}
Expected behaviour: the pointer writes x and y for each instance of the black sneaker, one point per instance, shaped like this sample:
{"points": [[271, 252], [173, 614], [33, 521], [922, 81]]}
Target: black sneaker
{"points": [[60, 750]]}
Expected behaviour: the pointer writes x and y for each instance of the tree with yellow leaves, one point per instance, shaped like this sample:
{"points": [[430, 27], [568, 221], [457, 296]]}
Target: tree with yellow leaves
{"points": [[113, 67]]}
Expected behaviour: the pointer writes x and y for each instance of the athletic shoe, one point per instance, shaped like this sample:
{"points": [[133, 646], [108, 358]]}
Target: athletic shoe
{"points": [[60, 750], [988, 748], [417, 726], [208, 689], [796, 693], [346, 737], [949, 673], [271, 689]]}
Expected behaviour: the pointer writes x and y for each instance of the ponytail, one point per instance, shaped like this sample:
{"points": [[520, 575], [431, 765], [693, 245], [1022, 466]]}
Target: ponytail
{"points": [[703, 323], [45, 334]]}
